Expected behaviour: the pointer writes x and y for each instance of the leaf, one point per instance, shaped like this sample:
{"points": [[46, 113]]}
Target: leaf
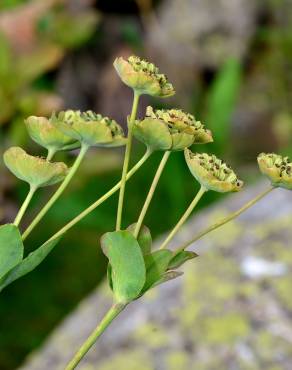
{"points": [[109, 275], [144, 238], [169, 275], [180, 258], [29, 263], [126, 260], [11, 248], [156, 264]]}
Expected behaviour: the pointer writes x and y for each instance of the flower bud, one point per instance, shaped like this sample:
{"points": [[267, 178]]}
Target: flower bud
{"points": [[37, 172], [170, 129], [90, 128], [212, 173], [44, 133], [143, 77], [277, 168]]}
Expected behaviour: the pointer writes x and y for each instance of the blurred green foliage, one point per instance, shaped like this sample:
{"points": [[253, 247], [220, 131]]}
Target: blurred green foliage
{"points": [[221, 100]]}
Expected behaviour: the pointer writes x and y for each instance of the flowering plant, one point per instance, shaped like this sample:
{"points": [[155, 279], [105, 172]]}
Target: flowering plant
{"points": [[133, 266]]}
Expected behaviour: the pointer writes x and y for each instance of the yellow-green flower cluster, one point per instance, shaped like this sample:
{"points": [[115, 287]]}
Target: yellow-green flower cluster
{"points": [[36, 171], [90, 128], [212, 172], [277, 168], [171, 129], [44, 133], [144, 77]]}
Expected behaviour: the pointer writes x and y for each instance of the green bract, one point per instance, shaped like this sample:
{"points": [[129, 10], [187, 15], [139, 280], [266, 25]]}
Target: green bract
{"points": [[277, 168], [44, 133], [34, 170], [212, 173], [170, 129], [90, 128], [143, 77]]}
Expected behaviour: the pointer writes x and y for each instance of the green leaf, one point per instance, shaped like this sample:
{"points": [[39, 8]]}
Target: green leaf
{"points": [[126, 260], [29, 263], [144, 238], [11, 248], [156, 264], [180, 258], [109, 276], [169, 275]]}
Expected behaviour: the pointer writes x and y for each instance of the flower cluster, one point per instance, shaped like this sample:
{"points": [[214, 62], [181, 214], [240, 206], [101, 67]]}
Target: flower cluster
{"points": [[44, 133], [277, 168], [89, 128], [36, 171], [144, 77], [212, 173], [171, 129]]}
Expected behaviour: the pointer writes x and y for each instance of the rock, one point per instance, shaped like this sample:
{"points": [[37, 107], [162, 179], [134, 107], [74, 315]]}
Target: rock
{"points": [[216, 316]]}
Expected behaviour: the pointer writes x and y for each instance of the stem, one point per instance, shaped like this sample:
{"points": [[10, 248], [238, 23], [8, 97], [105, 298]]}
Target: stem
{"points": [[151, 192], [101, 199], [225, 219], [24, 206], [106, 321], [51, 153], [184, 217], [58, 193], [127, 159]]}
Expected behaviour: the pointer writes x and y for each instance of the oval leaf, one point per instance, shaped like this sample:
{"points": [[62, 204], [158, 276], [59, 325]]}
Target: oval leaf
{"points": [[127, 264], [29, 263], [144, 237], [11, 248], [180, 258], [156, 264]]}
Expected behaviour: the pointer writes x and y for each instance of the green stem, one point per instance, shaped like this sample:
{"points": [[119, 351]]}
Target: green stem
{"points": [[224, 220], [151, 192], [51, 153], [184, 217], [127, 159], [101, 199], [58, 193], [90, 341], [24, 206]]}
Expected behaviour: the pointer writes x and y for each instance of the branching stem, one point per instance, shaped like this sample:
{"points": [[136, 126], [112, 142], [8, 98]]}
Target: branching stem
{"points": [[224, 220], [126, 160], [151, 192], [185, 216]]}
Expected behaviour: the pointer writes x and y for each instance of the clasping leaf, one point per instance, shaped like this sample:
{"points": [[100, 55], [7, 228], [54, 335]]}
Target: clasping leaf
{"points": [[127, 270]]}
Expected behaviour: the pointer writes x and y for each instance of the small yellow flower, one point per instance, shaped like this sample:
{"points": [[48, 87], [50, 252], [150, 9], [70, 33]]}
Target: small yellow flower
{"points": [[212, 173], [277, 168], [90, 128], [34, 170], [170, 129], [144, 77]]}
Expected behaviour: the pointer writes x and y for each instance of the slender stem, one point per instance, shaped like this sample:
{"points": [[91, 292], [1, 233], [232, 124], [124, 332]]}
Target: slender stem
{"points": [[225, 219], [151, 192], [127, 159], [24, 206], [106, 321], [51, 153], [184, 217], [99, 201], [58, 193]]}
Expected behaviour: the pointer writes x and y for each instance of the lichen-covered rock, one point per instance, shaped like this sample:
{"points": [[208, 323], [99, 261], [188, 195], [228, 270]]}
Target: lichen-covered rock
{"points": [[231, 310]]}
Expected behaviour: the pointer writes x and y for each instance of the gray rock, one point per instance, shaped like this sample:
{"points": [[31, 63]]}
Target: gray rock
{"points": [[216, 316]]}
